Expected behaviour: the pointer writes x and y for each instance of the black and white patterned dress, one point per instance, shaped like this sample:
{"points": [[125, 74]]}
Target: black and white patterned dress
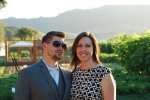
{"points": [[86, 85]]}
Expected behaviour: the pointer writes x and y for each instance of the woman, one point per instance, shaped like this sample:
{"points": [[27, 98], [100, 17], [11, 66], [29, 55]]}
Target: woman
{"points": [[90, 79]]}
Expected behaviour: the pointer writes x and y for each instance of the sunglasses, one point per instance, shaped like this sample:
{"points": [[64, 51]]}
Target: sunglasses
{"points": [[59, 44]]}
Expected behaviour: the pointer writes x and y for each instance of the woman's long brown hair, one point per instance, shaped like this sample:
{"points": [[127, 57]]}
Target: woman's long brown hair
{"points": [[96, 50]]}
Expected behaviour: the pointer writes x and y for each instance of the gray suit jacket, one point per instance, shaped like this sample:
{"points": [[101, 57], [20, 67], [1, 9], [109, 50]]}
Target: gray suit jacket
{"points": [[35, 83]]}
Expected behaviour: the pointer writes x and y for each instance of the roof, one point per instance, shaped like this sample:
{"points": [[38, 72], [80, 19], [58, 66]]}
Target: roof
{"points": [[22, 44]]}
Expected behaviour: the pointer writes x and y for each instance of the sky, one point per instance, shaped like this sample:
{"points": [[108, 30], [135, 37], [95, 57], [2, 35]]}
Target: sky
{"points": [[51, 8]]}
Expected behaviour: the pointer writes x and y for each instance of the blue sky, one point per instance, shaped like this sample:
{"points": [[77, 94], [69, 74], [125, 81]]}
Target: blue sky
{"points": [[50, 8]]}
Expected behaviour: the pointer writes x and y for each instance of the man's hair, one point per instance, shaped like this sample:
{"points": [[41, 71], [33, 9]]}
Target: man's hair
{"points": [[48, 36]]}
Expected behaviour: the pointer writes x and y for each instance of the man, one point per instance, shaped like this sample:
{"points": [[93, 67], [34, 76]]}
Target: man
{"points": [[45, 80]]}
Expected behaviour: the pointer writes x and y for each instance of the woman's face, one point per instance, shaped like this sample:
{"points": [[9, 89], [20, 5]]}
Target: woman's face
{"points": [[84, 49]]}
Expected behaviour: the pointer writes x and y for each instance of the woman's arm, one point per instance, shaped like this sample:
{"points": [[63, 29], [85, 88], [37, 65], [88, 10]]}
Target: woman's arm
{"points": [[109, 87]]}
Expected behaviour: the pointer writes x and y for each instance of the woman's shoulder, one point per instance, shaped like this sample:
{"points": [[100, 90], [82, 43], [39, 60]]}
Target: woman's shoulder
{"points": [[103, 69]]}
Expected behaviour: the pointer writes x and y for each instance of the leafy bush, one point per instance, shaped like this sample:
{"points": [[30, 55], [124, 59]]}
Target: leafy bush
{"points": [[67, 57], [132, 84], [6, 83], [108, 58], [106, 47], [129, 83], [143, 96], [2, 61], [134, 52]]}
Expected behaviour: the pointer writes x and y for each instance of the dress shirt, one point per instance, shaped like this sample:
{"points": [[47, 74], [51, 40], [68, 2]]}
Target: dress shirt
{"points": [[54, 71]]}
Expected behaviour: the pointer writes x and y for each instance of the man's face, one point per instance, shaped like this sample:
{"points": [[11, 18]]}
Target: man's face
{"points": [[55, 48]]}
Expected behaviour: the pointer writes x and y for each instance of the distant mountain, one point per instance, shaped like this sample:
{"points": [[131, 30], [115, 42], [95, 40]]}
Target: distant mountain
{"points": [[104, 21]]}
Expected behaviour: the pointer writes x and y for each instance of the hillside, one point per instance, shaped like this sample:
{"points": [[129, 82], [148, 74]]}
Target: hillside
{"points": [[104, 21]]}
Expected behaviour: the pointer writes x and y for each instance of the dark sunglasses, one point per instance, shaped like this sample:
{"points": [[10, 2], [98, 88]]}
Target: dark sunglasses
{"points": [[58, 44]]}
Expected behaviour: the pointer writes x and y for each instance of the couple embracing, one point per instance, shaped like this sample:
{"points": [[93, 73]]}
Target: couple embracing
{"points": [[45, 80]]}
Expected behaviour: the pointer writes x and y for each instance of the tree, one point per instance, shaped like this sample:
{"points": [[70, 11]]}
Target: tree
{"points": [[10, 31], [36, 35], [2, 3], [23, 33], [28, 34], [2, 32]]}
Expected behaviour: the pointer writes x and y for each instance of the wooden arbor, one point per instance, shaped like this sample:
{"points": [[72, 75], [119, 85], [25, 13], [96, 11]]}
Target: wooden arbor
{"points": [[22, 52]]}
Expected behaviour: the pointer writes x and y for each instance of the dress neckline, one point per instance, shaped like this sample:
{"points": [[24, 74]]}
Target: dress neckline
{"points": [[90, 69]]}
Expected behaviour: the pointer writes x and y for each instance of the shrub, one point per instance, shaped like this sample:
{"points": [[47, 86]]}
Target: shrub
{"points": [[135, 53], [129, 83], [67, 57], [132, 84], [2, 61], [108, 58], [6, 83], [106, 47]]}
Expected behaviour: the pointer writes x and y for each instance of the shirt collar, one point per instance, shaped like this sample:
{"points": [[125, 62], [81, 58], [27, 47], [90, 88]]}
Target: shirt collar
{"points": [[50, 66]]}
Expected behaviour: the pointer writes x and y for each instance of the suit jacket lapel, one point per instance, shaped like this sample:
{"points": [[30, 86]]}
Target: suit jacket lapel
{"points": [[67, 82], [49, 78]]}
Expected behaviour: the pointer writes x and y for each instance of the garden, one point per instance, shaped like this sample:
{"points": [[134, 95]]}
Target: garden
{"points": [[128, 56]]}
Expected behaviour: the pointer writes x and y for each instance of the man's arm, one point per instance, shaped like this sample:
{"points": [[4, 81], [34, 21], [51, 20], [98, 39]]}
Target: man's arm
{"points": [[22, 87]]}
